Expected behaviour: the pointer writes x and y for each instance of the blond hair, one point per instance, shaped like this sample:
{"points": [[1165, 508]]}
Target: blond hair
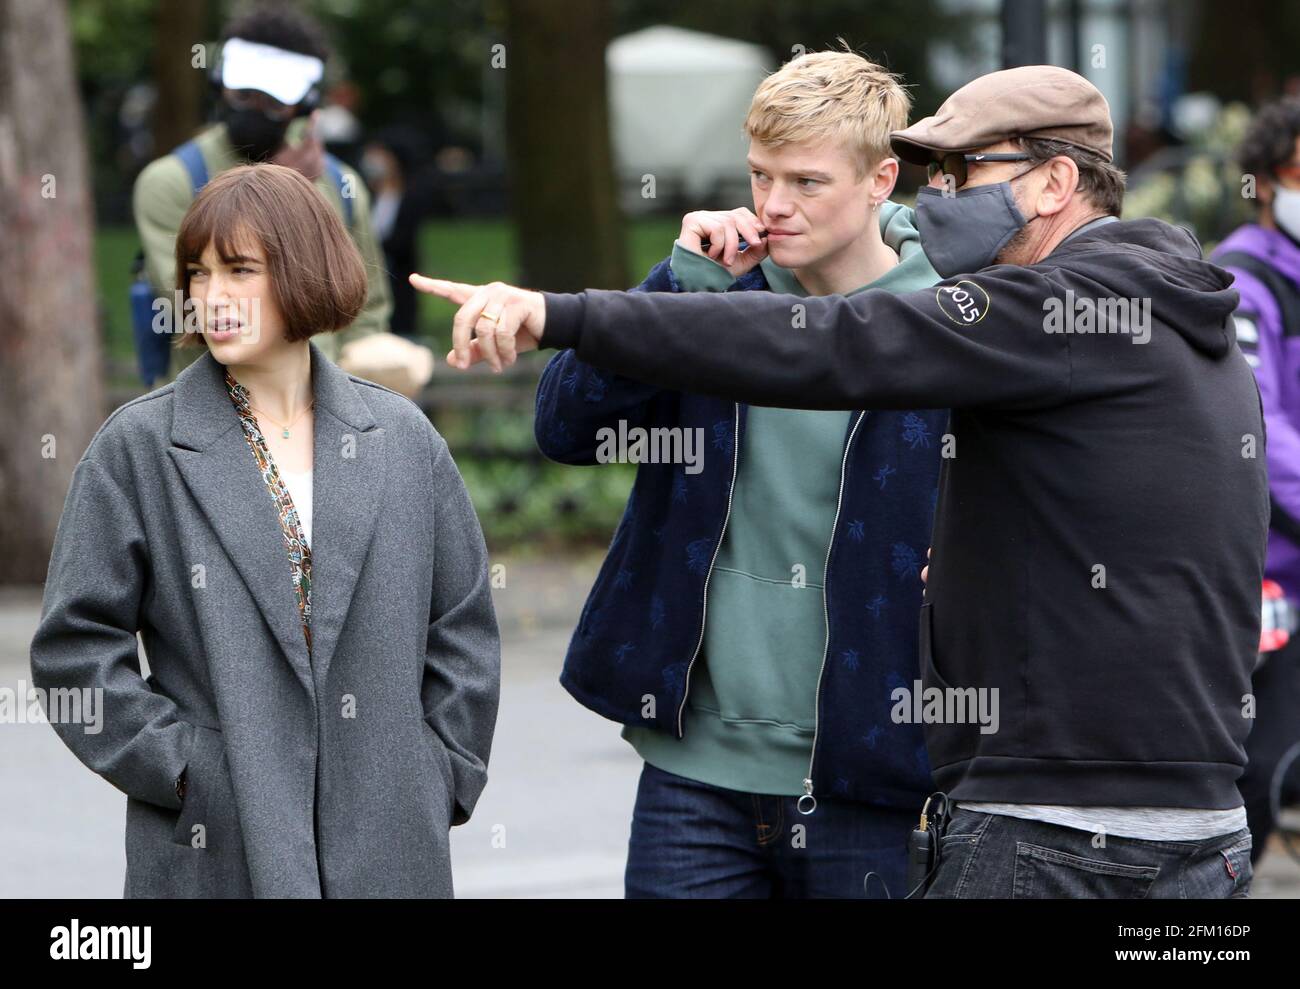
{"points": [[830, 95]]}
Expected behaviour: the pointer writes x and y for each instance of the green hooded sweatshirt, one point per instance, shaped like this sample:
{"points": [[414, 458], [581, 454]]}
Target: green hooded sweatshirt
{"points": [[753, 690]]}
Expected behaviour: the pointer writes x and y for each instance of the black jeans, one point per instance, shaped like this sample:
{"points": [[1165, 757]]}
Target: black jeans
{"points": [[993, 856]]}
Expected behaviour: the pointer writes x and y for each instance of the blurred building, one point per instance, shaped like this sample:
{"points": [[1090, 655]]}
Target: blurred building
{"points": [[678, 101], [1135, 51]]}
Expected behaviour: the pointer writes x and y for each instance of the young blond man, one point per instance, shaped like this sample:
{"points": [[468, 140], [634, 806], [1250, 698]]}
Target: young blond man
{"points": [[758, 609]]}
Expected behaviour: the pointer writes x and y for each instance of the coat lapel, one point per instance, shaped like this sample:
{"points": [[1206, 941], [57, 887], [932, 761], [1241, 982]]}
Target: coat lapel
{"points": [[347, 482], [212, 455]]}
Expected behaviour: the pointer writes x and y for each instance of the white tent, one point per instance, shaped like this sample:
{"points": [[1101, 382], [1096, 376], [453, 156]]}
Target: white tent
{"points": [[678, 101]]}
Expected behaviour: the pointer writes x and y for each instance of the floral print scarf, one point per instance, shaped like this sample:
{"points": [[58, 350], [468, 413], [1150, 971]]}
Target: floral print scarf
{"points": [[294, 538]]}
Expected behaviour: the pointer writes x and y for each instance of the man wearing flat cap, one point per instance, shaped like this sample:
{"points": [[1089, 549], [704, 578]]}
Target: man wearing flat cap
{"points": [[1099, 539]]}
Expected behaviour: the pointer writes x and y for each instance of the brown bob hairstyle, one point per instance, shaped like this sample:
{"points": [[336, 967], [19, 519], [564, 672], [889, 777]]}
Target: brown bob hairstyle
{"points": [[316, 272]]}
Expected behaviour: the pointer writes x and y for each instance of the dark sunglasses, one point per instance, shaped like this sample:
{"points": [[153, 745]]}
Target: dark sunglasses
{"points": [[956, 163]]}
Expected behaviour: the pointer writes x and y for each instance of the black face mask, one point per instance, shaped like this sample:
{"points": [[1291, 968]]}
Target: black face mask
{"points": [[254, 135], [964, 233]]}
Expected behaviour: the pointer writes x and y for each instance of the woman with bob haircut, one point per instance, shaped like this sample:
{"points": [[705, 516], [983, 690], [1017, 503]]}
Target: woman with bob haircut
{"points": [[298, 554]]}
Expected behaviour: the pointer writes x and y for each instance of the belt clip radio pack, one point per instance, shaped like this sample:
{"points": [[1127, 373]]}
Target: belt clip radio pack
{"points": [[923, 844]]}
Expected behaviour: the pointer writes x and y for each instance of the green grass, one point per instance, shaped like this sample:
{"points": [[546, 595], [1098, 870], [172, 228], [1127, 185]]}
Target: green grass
{"points": [[115, 249]]}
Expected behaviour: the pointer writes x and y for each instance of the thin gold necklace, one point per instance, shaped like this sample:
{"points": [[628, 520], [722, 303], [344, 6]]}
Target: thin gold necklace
{"points": [[284, 428]]}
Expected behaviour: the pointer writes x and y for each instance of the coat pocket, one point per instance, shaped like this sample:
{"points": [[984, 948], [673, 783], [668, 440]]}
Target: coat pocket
{"points": [[443, 758], [204, 757], [946, 743]]}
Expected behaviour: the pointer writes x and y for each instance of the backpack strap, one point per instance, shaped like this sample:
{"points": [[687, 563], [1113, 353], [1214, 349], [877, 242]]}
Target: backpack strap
{"points": [[1284, 291], [1287, 295], [192, 158], [334, 169]]}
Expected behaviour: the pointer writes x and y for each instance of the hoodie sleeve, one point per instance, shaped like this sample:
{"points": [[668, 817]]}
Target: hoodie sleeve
{"points": [[967, 342], [698, 273], [575, 400], [1259, 334]]}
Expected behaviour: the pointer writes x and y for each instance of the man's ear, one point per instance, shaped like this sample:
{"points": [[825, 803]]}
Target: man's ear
{"points": [[1061, 186], [883, 179]]}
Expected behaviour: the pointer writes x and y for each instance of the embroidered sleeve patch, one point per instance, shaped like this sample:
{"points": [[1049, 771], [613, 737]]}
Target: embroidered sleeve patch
{"points": [[964, 303]]}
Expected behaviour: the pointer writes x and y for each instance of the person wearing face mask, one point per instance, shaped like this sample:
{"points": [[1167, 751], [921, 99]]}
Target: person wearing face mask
{"points": [[1264, 257], [1098, 545], [267, 79]]}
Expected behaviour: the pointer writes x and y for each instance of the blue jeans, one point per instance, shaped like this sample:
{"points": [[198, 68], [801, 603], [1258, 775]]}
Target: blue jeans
{"points": [[695, 840], [993, 856]]}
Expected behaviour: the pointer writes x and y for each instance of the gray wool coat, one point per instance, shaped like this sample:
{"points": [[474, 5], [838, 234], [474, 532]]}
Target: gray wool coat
{"points": [[335, 775]]}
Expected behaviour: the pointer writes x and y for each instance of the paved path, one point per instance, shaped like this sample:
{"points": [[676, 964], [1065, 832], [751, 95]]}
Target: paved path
{"points": [[553, 821]]}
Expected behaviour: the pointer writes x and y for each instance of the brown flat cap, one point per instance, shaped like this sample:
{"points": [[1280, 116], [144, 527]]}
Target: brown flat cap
{"points": [[1042, 101]]}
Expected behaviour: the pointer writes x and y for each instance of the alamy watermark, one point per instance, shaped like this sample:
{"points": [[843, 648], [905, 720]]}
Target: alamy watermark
{"points": [[244, 314], [61, 705], [920, 705], [654, 445], [1080, 314]]}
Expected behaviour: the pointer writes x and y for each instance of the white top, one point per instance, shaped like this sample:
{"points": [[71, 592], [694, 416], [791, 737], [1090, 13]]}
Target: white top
{"points": [[1148, 823], [299, 485]]}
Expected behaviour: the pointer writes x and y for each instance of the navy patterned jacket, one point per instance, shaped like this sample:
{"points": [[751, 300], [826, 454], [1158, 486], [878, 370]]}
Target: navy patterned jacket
{"points": [[642, 624]]}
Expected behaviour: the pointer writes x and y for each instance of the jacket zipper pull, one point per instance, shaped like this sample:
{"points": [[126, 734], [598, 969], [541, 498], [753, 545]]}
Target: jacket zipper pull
{"points": [[811, 805]]}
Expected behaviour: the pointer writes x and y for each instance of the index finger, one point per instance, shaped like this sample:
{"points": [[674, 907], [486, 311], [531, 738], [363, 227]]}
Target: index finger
{"points": [[457, 292]]}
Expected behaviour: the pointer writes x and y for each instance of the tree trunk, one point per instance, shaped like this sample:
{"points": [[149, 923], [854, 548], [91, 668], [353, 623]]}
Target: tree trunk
{"points": [[177, 29], [562, 185], [51, 387]]}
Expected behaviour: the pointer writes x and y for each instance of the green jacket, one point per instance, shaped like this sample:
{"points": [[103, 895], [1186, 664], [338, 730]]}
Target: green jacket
{"points": [[163, 193]]}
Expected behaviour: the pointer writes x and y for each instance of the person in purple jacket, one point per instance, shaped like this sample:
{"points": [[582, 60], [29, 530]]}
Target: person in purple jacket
{"points": [[1264, 256]]}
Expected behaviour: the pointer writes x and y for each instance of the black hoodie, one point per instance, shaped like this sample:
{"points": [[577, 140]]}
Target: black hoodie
{"points": [[1099, 538]]}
